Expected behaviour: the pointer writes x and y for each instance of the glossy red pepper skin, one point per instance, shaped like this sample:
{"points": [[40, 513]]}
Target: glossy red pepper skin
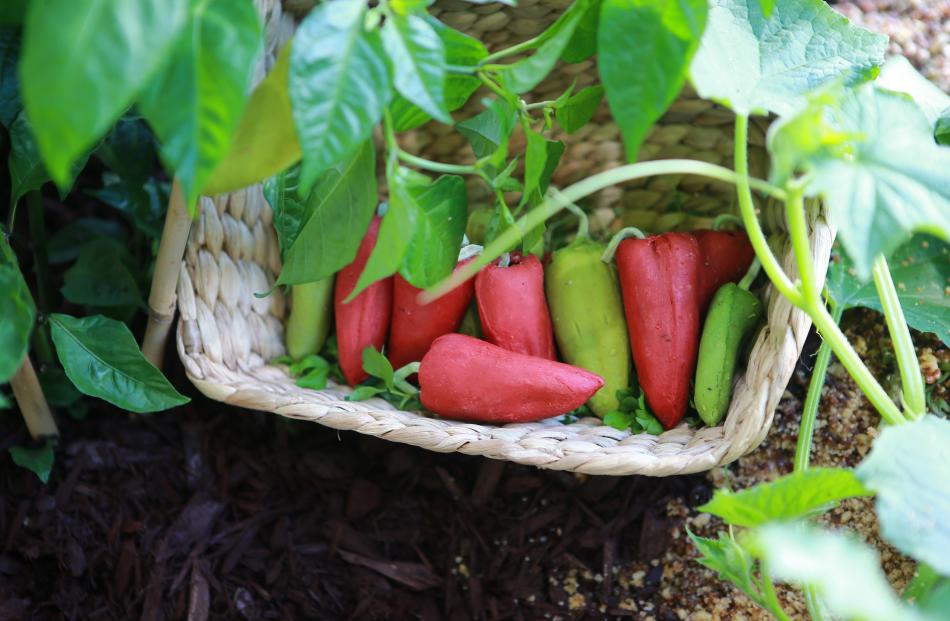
{"points": [[414, 326], [726, 257], [364, 321], [659, 278], [463, 378], [513, 309]]}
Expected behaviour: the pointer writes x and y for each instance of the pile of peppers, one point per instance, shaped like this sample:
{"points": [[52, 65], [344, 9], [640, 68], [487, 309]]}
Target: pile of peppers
{"points": [[673, 310]]}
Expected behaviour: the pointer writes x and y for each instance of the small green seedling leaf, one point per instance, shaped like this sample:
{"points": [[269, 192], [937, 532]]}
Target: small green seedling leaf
{"points": [[17, 312], [488, 131], [909, 471], [633, 35], [102, 359], [37, 460], [618, 420], [312, 371], [362, 393], [440, 226], [378, 366], [419, 61], [795, 495], [540, 160], [321, 234], [756, 64], [101, 276], [339, 84], [731, 561], [578, 109]]}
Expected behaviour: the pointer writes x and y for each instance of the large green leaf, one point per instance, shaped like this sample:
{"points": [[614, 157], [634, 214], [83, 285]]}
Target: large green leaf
{"points": [[101, 276], [792, 496], [644, 49], [265, 142], [909, 470], [27, 172], [419, 61], [9, 80], [845, 572], [17, 311], [281, 193], [873, 159], [195, 101], [921, 271], [332, 220], [525, 74], [84, 63], [440, 225], [461, 50], [756, 65], [583, 43], [897, 74], [101, 358], [339, 84]]}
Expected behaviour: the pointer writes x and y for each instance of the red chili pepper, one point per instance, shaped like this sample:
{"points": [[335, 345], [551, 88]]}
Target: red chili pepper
{"points": [[513, 309], [726, 257], [463, 378], [364, 321], [659, 278], [414, 326]]}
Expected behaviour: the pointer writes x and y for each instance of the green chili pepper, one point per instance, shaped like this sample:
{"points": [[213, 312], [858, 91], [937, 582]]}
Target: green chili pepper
{"points": [[733, 316], [477, 226], [587, 314], [309, 321]]}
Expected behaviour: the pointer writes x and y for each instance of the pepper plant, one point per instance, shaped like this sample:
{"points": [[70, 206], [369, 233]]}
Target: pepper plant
{"points": [[861, 138]]}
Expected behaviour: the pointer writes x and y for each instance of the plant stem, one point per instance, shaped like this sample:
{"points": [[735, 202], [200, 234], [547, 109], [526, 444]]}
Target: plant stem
{"points": [[451, 169], [813, 398], [747, 208], [556, 202], [583, 222], [524, 46], [41, 338], [798, 232], [33, 406], [540, 104], [771, 598], [912, 382]]}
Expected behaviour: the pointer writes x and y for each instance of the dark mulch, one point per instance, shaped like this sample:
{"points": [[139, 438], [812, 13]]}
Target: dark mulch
{"points": [[214, 512]]}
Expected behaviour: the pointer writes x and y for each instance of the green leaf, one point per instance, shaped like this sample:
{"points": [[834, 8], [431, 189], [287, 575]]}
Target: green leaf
{"points": [[129, 150], [101, 276], [523, 75], [755, 65], [461, 50], [419, 61], [440, 225], [909, 470], [57, 388], [84, 63], [378, 365], [5, 402], [897, 74], [362, 393], [17, 311], [583, 43], [10, 103], [143, 205], [210, 68], [102, 359], [618, 420], [731, 561], [920, 270], [332, 221], [937, 604], [845, 572], [881, 178], [395, 234], [489, 130], [65, 243], [13, 11], [339, 84], [282, 194], [577, 110], [794, 495], [27, 172], [644, 49], [767, 6], [312, 371], [37, 460], [942, 128], [650, 423], [265, 142]]}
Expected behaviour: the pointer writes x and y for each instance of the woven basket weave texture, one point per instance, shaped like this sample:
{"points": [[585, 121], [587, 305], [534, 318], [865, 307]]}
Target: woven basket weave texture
{"points": [[226, 335]]}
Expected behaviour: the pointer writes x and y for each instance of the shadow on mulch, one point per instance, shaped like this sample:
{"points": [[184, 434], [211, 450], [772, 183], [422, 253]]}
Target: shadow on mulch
{"points": [[213, 512]]}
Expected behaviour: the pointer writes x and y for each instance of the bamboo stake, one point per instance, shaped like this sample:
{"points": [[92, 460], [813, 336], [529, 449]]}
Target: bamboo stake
{"points": [[33, 406], [161, 299]]}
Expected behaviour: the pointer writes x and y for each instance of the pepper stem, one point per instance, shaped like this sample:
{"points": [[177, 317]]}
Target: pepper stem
{"points": [[583, 224], [622, 234], [724, 218], [504, 260], [750, 275], [399, 378]]}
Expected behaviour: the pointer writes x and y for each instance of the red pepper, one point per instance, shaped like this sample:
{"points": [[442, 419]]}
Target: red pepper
{"points": [[659, 278], [364, 321], [726, 257], [463, 378], [414, 326], [513, 309]]}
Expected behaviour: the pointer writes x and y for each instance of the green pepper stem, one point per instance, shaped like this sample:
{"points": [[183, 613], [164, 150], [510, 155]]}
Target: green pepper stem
{"points": [[724, 218], [399, 378], [622, 234], [912, 383], [554, 204], [751, 274], [504, 260], [583, 223]]}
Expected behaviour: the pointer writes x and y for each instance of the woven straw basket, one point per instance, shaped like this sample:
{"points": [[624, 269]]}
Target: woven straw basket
{"points": [[226, 336]]}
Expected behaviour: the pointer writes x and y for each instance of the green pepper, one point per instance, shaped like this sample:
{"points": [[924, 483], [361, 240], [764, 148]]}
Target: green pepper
{"points": [[477, 226], [309, 321], [732, 318], [587, 313]]}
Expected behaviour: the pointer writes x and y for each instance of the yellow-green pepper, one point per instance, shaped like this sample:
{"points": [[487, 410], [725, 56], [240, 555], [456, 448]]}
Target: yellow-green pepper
{"points": [[309, 321]]}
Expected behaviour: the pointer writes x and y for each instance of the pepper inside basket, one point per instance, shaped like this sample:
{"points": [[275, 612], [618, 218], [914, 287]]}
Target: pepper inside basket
{"points": [[227, 337]]}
